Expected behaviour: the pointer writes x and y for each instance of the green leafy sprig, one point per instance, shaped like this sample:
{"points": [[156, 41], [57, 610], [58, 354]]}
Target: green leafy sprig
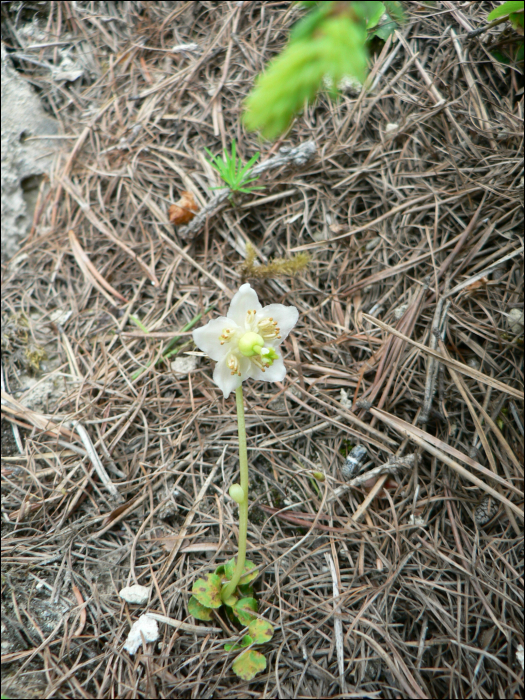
{"points": [[232, 171], [241, 607], [327, 45]]}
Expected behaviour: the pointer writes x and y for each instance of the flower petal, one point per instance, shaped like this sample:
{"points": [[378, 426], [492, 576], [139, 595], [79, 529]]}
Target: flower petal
{"points": [[245, 300], [225, 380], [207, 338], [286, 317], [275, 373]]}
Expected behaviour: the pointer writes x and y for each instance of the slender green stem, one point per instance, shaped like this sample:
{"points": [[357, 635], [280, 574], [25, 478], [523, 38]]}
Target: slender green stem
{"points": [[229, 589]]}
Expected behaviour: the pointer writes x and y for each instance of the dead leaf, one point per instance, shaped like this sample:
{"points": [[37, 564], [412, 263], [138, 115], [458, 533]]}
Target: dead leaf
{"points": [[183, 211], [338, 228], [477, 284]]}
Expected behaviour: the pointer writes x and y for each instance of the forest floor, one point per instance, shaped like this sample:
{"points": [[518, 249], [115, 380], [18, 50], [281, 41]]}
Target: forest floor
{"points": [[409, 343]]}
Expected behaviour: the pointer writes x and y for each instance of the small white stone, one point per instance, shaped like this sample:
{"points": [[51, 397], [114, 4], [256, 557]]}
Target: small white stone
{"points": [[516, 320], [180, 48], [150, 630], [372, 244], [345, 401], [391, 126], [59, 316], [519, 654], [138, 595], [400, 311], [184, 365]]}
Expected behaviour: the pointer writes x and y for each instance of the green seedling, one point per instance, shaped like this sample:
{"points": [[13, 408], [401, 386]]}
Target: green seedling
{"points": [[235, 175]]}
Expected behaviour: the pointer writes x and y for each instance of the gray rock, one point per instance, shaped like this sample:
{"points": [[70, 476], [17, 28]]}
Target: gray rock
{"points": [[24, 161]]}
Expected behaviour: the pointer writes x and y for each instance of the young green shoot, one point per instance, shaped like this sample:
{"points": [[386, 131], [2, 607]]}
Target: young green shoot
{"points": [[235, 175]]}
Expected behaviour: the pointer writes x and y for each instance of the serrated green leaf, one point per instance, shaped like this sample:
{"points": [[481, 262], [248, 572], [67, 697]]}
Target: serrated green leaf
{"points": [[260, 631], [245, 642], [506, 9], [208, 591], [199, 612], [244, 609], [249, 664]]}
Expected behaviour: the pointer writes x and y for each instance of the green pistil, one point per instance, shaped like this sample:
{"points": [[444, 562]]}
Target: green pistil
{"points": [[251, 344], [269, 357]]}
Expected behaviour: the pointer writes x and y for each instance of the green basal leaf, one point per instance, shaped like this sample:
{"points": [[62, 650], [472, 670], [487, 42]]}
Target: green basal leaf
{"points": [[244, 609], [229, 568], [246, 590], [247, 575], [245, 642], [208, 591], [506, 9], [231, 600], [249, 664], [260, 631], [220, 570], [519, 55], [199, 612]]}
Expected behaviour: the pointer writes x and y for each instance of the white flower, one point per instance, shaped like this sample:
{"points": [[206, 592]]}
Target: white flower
{"points": [[244, 343]]}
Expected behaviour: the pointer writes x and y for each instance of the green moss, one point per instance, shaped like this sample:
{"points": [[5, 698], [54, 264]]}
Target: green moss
{"points": [[275, 268]]}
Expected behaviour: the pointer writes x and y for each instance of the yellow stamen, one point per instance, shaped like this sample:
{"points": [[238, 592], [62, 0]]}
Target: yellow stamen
{"points": [[226, 335], [233, 364], [268, 328]]}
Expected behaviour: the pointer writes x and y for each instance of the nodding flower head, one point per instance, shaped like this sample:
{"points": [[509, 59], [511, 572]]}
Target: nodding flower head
{"points": [[244, 343]]}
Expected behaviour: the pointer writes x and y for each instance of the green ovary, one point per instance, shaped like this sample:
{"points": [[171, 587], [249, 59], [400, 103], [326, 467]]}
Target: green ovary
{"points": [[251, 344]]}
